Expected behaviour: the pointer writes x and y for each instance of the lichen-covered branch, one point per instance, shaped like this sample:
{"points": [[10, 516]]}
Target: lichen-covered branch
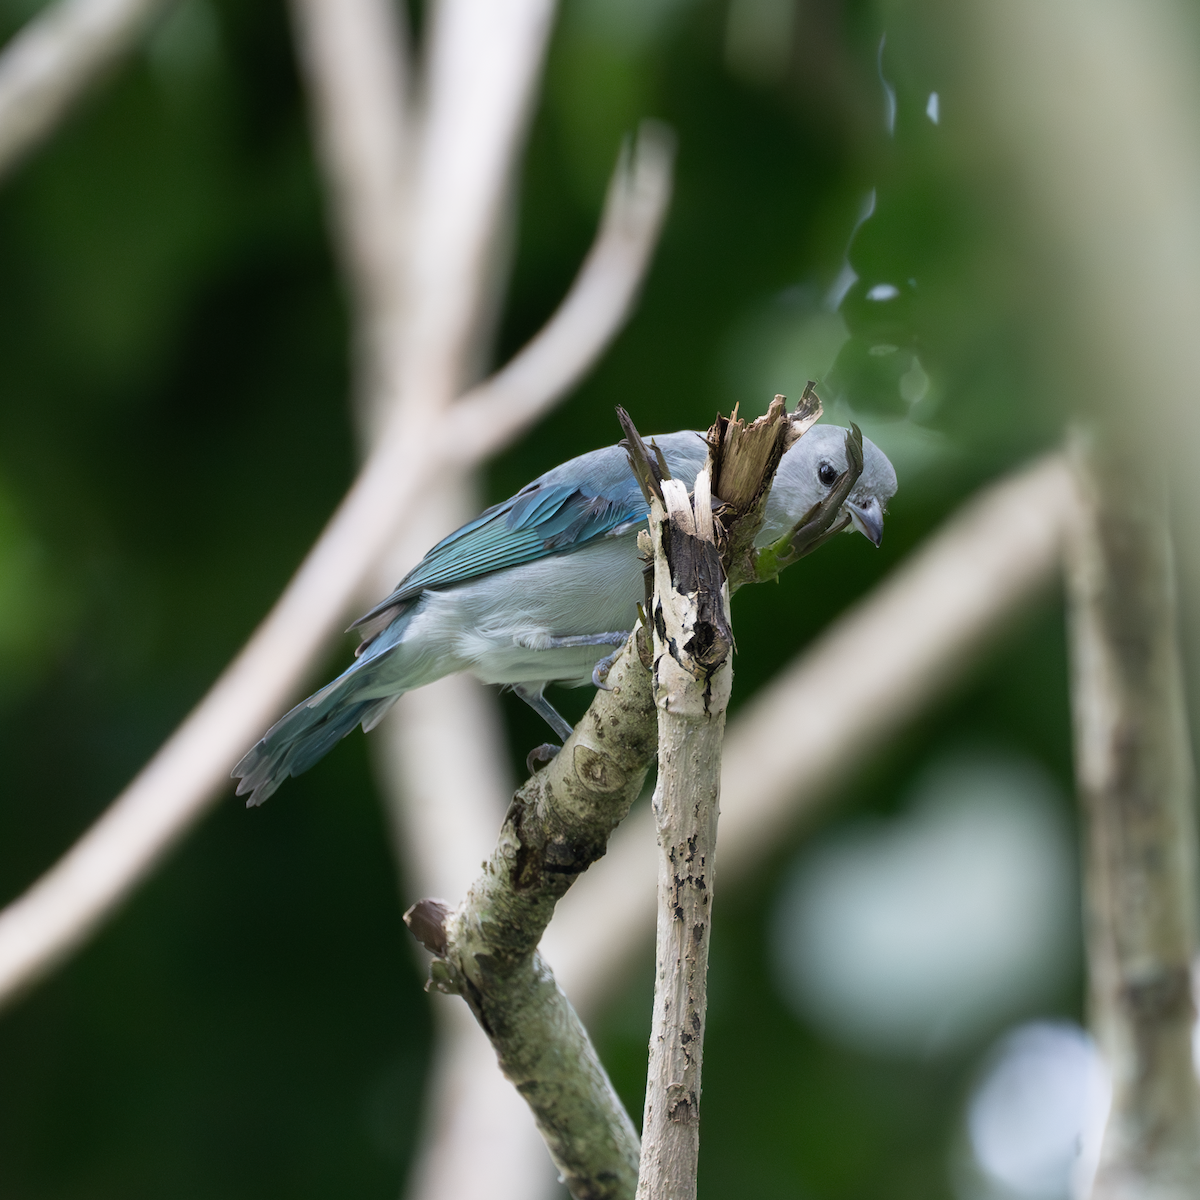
{"points": [[557, 824], [1133, 764]]}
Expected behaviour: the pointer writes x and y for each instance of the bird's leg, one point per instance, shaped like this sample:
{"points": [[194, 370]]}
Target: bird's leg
{"points": [[600, 670], [616, 638], [537, 701], [532, 695]]}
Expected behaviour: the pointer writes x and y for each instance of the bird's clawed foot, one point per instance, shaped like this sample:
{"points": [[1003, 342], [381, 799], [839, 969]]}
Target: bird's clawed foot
{"points": [[617, 638], [601, 669], [539, 756]]}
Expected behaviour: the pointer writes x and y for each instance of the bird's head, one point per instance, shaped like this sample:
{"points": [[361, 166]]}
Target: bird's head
{"points": [[808, 471]]}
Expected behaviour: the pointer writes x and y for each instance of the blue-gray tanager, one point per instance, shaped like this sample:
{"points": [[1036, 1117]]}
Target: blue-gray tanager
{"points": [[537, 590]]}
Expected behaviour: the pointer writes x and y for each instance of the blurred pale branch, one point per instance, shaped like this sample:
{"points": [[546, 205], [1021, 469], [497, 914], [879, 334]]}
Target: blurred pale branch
{"points": [[1134, 771], [1119, 313], [191, 769], [56, 58], [356, 64]]}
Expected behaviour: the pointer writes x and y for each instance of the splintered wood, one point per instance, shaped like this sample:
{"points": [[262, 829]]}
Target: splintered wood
{"points": [[693, 677]]}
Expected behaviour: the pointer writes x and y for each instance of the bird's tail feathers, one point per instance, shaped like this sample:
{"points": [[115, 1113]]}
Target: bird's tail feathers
{"points": [[310, 730], [379, 710], [372, 625]]}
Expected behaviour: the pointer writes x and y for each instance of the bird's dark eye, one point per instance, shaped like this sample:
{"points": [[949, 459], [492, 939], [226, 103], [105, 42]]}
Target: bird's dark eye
{"points": [[826, 473]]}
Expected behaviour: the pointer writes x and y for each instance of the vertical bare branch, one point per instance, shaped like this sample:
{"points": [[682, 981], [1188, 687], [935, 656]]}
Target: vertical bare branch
{"points": [[480, 71], [1133, 763], [693, 677]]}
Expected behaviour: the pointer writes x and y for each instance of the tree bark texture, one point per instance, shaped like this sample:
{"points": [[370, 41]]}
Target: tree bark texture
{"points": [[1134, 772], [557, 825], [693, 676]]}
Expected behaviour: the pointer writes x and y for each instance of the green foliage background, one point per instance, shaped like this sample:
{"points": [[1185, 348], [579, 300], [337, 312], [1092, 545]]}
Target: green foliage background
{"points": [[174, 431]]}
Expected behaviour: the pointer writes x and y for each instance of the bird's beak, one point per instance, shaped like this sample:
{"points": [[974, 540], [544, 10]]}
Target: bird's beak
{"points": [[867, 519]]}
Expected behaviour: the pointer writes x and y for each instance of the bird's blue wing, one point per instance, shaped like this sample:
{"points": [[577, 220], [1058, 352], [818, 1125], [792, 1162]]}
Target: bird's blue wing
{"points": [[542, 519], [568, 507]]}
